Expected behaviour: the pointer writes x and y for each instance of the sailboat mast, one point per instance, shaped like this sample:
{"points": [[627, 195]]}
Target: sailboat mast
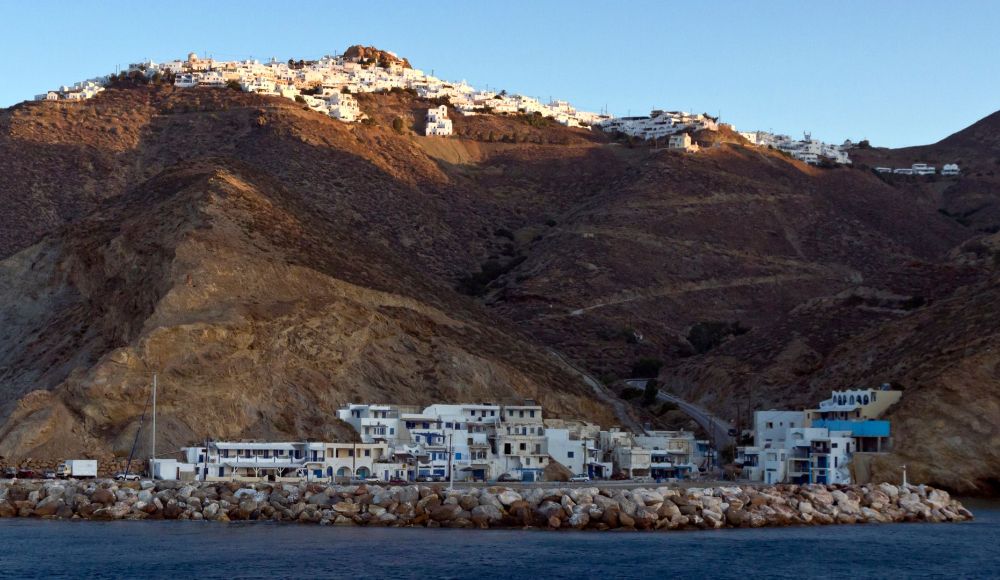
{"points": [[154, 417]]}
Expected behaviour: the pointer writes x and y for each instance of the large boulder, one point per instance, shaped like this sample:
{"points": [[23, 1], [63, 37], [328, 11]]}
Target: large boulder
{"points": [[103, 496], [49, 506], [7, 510], [445, 512], [486, 514], [508, 496], [346, 509]]}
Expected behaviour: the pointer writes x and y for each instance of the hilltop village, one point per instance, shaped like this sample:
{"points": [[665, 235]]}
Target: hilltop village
{"points": [[328, 86]]}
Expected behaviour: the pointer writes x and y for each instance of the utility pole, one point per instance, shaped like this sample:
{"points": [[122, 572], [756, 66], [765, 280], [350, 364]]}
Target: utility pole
{"points": [[451, 462]]}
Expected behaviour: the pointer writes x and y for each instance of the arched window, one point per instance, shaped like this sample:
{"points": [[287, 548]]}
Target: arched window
{"points": [[852, 399], [344, 472]]}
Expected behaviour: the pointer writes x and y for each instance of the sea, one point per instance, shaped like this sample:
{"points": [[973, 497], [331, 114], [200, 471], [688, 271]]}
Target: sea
{"points": [[171, 549]]}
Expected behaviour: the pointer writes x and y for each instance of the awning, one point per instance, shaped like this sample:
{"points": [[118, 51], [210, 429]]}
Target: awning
{"points": [[251, 465]]}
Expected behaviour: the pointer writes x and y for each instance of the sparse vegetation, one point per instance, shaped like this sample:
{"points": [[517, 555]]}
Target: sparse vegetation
{"points": [[478, 283], [646, 367], [705, 336], [397, 125], [650, 393], [629, 393]]}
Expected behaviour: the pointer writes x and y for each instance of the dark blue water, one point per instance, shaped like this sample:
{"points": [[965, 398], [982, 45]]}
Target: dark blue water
{"points": [[64, 549]]}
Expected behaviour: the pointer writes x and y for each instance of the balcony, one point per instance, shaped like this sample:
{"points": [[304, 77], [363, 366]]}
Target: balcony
{"points": [[857, 428]]}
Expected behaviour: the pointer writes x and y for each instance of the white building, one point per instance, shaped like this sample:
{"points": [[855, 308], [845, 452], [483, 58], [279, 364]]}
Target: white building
{"points": [[291, 461], [438, 123], [816, 445], [659, 124], [344, 106], [673, 454], [682, 142], [950, 169]]}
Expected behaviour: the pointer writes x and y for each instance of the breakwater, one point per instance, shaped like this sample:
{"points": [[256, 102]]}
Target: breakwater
{"points": [[493, 507]]}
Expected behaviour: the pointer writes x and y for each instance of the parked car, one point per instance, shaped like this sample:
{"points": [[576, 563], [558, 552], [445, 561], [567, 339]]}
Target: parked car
{"points": [[26, 473], [49, 474], [121, 476], [373, 480], [425, 478], [397, 481], [506, 478], [579, 478], [10, 472]]}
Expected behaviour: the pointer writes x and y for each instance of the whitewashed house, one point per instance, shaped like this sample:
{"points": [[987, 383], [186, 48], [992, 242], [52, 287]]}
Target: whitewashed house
{"points": [[344, 106], [438, 123], [950, 169], [682, 142]]}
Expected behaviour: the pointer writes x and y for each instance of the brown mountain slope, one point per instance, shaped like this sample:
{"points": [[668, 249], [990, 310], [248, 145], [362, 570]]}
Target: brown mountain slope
{"points": [[272, 263], [260, 318]]}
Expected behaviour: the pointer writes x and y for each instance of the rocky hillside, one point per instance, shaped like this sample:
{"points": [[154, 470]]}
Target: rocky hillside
{"points": [[271, 263]]}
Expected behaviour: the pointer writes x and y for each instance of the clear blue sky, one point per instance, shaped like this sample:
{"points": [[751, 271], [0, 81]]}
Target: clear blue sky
{"points": [[896, 72]]}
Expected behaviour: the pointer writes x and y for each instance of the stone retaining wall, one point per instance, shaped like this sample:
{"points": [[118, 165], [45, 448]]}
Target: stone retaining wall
{"points": [[494, 507]]}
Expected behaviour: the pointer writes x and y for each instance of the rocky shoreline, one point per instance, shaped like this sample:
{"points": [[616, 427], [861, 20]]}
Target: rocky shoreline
{"points": [[492, 507]]}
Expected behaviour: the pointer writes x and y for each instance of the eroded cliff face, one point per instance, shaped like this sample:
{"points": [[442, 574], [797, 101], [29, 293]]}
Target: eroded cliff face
{"points": [[253, 325]]}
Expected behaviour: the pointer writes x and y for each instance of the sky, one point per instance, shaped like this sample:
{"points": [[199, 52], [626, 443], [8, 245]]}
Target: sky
{"points": [[897, 73]]}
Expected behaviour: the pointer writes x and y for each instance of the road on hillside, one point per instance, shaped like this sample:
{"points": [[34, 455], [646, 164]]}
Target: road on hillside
{"points": [[717, 429], [619, 407]]}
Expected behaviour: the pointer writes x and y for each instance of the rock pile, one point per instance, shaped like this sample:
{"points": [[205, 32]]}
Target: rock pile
{"points": [[493, 507]]}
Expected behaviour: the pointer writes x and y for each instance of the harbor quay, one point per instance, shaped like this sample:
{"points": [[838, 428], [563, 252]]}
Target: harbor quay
{"points": [[543, 507]]}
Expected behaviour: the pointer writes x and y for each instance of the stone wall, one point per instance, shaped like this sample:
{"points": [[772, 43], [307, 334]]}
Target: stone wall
{"points": [[493, 507]]}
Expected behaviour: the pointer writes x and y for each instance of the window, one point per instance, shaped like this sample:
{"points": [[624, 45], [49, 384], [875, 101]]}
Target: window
{"points": [[532, 413], [524, 447], [770, 425], [392, 430], [458, 455], [350, 453], [570, 454], [527, 461], [368, 452], [447, 425]]}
